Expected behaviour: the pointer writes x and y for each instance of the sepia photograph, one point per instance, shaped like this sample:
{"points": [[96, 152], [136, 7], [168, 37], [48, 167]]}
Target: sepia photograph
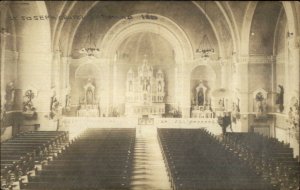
{"points": [[150, 95]]}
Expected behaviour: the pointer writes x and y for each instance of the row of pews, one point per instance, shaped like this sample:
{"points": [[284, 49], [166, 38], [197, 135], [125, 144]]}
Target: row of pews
{"points": [[271, 158], [196, 159], [97, 159], [22, 155]]}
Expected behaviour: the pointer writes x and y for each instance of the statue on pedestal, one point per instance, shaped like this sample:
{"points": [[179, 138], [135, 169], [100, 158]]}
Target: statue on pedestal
{"points": [[9, 96], [261, 105], [89, 89], [200, 95], [280, 97]]}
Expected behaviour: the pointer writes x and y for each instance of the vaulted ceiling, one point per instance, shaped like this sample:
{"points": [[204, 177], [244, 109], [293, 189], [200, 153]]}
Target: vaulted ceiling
{"points": [[223, 22]]}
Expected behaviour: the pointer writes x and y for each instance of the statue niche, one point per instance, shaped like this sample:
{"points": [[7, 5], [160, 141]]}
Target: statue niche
{"points": [[88, 105], [200, 94], [89, 90], [201, 108]]}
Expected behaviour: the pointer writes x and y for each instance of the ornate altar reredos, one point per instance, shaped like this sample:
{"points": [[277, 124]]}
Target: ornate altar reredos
{"points": [[201, 105], [145, 91], [89, 105]]}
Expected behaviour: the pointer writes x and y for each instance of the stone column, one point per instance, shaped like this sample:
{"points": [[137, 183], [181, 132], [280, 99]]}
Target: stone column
{"points": [[55, 78], [242, 85], [106, 87], [186, 95], [293, 69], [3, 15], [179, 77], [274, 86], [34, 74], [223, 65], [64, 85], [115, 83]]}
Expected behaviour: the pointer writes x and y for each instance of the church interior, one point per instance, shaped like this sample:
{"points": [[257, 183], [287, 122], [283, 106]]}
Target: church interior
{"points": [[152, 95]]}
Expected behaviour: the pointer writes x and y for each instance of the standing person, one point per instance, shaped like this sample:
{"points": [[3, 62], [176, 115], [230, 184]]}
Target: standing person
{"points": [[224, 121]]}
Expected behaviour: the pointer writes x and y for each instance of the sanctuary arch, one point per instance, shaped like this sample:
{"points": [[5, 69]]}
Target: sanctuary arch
{"points": [[165, 28]]}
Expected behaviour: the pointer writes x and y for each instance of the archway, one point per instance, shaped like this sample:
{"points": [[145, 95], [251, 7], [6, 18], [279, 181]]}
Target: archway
{"points": [[32, 41], [202, 83], [156, 24]]}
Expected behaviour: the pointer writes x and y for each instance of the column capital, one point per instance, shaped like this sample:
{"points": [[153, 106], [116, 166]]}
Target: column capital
{"points": [[242, 59]]}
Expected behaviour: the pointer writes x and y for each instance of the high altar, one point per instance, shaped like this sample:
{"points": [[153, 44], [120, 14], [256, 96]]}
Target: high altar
{"points": [[145, 91]]}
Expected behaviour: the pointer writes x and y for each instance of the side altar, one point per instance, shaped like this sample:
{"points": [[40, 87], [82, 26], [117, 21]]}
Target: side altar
{"points": [[145, 92], [88, 105]]}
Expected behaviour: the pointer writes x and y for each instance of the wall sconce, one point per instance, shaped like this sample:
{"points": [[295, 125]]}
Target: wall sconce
{"points": [[290, 34]]}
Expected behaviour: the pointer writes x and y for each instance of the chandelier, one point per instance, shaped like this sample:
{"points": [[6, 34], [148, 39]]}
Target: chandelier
{"points": [[90, 49], [205, 48]]}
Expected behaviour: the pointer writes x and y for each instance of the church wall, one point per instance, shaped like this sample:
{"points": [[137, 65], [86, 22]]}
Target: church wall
{"points": [[279, 49], [262, 28], [260, 76]]}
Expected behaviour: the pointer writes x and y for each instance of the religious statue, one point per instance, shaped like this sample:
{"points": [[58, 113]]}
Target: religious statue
{"points": [[236, 111], [130, 86], [200, 95], [293, 115], [280, 97], [159, 86], [260, 105], [89, 96], [54, 106], [9, 96], [148, 87], [68, 102], [89, 92]]}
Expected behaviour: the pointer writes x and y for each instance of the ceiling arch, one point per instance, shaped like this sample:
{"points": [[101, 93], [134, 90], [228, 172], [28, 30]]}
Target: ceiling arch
{"points": [[86, 11], [290, 12], [162, 26]]}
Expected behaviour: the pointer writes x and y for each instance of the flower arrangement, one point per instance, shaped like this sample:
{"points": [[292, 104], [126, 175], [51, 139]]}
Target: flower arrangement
{"points": [[29, 111]]}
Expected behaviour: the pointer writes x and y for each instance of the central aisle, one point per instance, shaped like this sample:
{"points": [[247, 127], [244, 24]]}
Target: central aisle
{"points": [[149, 168]]}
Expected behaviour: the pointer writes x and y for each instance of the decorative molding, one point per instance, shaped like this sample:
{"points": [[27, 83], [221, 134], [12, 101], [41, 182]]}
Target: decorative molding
{"points": [[11, 55], [280, 58], [261, 59], [86, 60], [242, 59]]}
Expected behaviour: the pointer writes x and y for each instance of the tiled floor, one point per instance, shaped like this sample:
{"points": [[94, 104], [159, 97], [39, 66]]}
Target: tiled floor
{"points": [[149, 168]]}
